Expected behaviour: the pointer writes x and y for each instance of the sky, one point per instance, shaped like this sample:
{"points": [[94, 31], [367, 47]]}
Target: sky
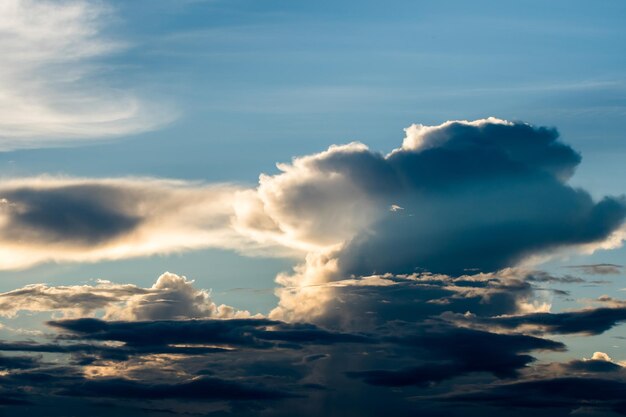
{"points": [[241, 208]]}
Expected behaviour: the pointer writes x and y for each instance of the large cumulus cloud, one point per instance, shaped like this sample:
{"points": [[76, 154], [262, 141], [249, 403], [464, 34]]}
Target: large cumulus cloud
{"points": [[448, 196], [458, 197]]}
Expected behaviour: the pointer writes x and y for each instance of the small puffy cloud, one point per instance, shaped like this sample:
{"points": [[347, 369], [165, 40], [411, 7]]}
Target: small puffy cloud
{"points": [[171, 297], [600, 356]]}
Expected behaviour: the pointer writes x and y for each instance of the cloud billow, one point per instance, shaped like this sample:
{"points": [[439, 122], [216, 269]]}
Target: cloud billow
{"points": [[411, 300], [481, 196], [456, 198]]}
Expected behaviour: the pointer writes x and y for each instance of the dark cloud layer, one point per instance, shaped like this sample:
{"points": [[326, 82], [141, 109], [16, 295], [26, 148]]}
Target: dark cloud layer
{"points": [[551, 394], [200, 389], [425, 363], [591, 321], [258, 333], [455, 352]]}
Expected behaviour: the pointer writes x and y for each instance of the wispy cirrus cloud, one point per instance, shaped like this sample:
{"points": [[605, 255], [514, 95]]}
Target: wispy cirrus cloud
{"points": [[51, 87]]}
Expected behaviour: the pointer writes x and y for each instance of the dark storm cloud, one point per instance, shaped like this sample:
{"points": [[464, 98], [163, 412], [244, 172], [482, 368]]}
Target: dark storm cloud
{"points": [[568, 393], [254, 333], [200, 389], [87, 353], [455, 352], [288, 367], [18, 362], [62, 384]]}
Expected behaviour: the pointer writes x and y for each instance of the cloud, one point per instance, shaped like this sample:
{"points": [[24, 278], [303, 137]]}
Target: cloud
{"points": [[414, 296], [544, 277], [599, 269], [52, 89], [479, 352], [73, 219], [199, 389], [171, 297], [475, 196], [480, 188], [405, 297], [600, 362], [387, 338], [450, 180], [467, 188], [17, 362], [549, 394], [249, 332], [591, 321]]}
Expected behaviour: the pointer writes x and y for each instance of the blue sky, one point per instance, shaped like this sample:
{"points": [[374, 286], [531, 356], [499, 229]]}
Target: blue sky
{"points": [[154, 120], [254, 83]]}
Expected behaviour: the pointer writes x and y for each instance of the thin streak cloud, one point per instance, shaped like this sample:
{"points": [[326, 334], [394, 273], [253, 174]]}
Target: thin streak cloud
{"points": [[53, 58]]}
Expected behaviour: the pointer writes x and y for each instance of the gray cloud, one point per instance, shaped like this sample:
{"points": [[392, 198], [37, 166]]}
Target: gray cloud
{"points": [[591, 321], [472, 190], [72, 219], [599, 269]]}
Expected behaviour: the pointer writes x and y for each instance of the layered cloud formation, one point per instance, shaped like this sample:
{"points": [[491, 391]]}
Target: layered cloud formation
{"points": [[171, 297], [413, 295], [462, 196], [395, 343]]}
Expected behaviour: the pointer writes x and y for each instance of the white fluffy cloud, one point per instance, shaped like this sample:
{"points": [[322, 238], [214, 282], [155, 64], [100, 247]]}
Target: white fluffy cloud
{"points": [[50, 92]]}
